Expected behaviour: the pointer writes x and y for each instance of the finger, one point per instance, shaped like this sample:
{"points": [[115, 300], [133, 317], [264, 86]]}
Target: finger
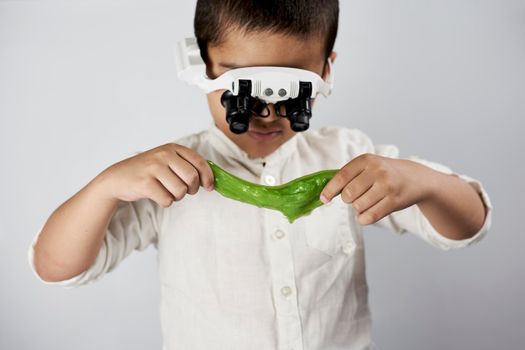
{"points": [[341, 179], [186, 172], [200, 164], [378, 211], [369, 198], [357, 187], [172, 183], [158, 193]]}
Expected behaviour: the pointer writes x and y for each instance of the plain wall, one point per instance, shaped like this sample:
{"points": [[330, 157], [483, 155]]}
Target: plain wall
{"points": [[84, 84]]}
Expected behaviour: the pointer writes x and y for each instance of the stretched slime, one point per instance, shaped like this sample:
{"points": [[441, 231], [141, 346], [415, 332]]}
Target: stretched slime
{"points": [[294, 199]]}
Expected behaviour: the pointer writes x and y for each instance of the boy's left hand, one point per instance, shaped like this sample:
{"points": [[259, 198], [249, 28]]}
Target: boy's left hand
{"points": [[377, 186]]}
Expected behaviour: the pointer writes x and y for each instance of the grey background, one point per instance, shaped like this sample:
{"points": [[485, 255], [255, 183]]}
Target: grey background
{"points": [[84, 84]]}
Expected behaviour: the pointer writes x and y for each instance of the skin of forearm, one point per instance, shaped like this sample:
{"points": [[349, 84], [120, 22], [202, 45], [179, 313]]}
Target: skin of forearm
{"points": [[71, 237], [452, 206]]}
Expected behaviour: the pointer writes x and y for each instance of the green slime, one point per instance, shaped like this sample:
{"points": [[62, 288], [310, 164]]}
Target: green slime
{"points": [[294, 199]]}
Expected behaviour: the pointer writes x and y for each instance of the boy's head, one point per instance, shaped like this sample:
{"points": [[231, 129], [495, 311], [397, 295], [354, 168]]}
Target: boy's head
{"points": [[244, 33]]}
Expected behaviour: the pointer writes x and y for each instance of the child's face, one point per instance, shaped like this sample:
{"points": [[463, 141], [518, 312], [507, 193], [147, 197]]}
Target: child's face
{"points": [[241, 49]]}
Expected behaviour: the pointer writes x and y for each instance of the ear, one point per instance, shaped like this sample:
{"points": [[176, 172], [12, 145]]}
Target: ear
{"points": [[326, 70]]}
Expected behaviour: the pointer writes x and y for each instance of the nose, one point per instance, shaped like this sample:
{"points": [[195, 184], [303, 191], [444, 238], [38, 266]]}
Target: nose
{"points": [[272, 115]]}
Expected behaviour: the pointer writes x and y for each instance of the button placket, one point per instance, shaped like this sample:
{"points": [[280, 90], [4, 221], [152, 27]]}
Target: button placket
{"points": [[269, 180], [348, 246], [286, 291], [279, 234], [283, 280], [293, 329]]}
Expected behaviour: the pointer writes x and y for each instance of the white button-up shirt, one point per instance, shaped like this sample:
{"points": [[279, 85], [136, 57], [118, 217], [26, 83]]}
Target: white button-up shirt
{"points": [[234, 276]]}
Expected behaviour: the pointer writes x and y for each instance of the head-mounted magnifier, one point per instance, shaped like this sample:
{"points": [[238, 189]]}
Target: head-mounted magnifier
{"points": [[249, 90]]}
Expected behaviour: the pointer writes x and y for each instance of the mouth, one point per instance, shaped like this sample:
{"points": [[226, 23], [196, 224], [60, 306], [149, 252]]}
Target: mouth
{"points": [[264, 134]]}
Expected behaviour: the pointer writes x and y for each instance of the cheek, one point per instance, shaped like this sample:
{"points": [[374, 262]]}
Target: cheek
{"points": [[214, 103]]}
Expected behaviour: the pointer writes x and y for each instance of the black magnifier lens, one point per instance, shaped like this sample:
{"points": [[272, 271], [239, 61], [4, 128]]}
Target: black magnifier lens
{"points": [[299, 110], [299, 114], [300, 121], [238, 107], [237, 111]]}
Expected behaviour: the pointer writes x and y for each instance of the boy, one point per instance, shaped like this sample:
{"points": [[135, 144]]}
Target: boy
{"points": [[234, 276]]}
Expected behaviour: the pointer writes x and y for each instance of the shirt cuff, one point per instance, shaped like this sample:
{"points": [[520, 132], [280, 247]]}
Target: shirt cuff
{"points": [[68, 283], [437, 238]]}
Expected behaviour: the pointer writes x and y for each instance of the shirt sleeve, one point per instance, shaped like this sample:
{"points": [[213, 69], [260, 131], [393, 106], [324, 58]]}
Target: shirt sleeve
{"points": [[412, 219], [133, 226]]}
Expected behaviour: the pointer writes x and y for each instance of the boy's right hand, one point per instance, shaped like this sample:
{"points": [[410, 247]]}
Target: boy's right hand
{"points": [[163, 174]]}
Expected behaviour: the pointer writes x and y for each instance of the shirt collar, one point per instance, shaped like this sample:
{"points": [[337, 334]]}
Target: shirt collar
{"points": [[230, 149]]}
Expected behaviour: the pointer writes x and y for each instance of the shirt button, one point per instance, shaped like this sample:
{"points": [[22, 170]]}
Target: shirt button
{"points": [[348, 246], [270, 180], [286, 291], [279, 234]]}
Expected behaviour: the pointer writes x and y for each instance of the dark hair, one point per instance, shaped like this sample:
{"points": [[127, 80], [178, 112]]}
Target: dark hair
{"points": [[301, 18]]}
